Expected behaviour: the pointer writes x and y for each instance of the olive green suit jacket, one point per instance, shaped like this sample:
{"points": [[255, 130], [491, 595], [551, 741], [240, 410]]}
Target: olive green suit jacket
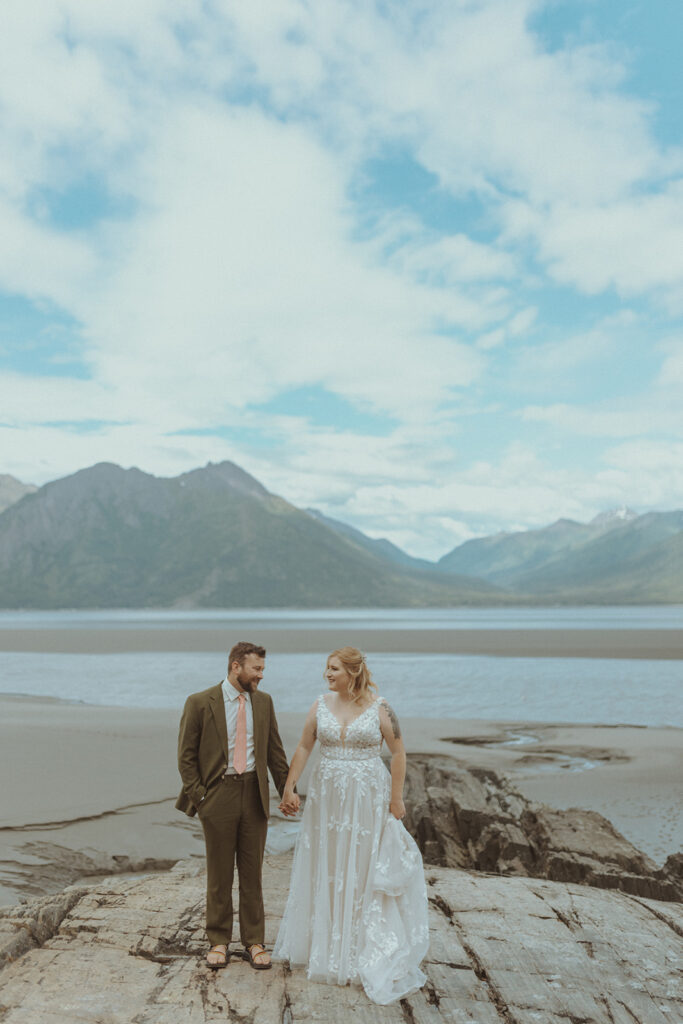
{"points": [[204, 754]]}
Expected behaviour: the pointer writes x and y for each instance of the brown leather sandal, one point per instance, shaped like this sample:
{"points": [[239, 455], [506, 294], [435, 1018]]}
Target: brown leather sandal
{"points": [[249, 957], [218, 965]]}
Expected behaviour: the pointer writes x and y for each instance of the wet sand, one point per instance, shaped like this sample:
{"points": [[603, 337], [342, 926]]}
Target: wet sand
{"points": [[84, 785], [522, 643], [629, 773]]}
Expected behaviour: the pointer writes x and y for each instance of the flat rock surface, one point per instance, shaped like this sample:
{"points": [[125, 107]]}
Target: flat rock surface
{"points": [[129, 950]]}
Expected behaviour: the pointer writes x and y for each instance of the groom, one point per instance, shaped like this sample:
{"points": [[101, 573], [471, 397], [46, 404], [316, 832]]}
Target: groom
{"points": [[228, 739]]}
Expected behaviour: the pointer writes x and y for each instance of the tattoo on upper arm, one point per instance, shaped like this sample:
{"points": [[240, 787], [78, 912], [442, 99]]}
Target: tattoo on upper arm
{"points": [[315, 730], [394, 721]]}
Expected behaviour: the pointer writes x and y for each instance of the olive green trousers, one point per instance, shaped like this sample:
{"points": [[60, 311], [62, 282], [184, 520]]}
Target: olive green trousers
{"points": [[235, 830]]}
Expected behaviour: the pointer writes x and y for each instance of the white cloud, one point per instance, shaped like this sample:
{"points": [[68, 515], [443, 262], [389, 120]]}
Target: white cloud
{"points": [[518, 491], [655, 411], [623, 420], [492, 339], [491, 110], [28, 400], [413, 489], [634, 244], [649, 474], [518, 488], [56, 94], [38, 454], [551, 363], [523, 321], [41, 263], [671, 372], [242, 279], [455, 259]]}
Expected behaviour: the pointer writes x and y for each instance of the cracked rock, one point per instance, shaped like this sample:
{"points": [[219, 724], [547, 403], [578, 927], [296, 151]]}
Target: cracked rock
{"points": [[517, 949]]}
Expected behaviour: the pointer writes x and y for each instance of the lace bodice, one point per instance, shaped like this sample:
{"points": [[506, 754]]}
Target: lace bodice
{"points": [[359, 740]]}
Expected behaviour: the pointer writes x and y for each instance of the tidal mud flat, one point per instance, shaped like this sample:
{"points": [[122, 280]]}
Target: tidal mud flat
{"points": [[647, 643]]}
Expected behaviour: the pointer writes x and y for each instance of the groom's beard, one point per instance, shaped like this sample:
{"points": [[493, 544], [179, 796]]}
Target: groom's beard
{"points": [[247, 682]]}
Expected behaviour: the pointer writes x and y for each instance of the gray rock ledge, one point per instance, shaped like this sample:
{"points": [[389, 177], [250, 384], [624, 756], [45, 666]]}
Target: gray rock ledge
{"points": [[468, 817], [503, 950]]}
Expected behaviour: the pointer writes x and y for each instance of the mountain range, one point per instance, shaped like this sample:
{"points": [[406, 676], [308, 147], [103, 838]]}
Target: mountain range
{"points": [[215, 537], [618, 558], [109, 537]]}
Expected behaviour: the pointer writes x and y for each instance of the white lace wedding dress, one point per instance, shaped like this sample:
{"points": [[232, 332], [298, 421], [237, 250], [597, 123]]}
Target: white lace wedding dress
{"points": [[357, 905]]}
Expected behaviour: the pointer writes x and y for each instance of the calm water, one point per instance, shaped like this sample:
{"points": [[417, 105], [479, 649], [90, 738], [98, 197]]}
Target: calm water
{"points": [[435, 685]]}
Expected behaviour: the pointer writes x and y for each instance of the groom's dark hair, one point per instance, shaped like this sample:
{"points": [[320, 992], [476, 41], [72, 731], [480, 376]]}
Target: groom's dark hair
{"points": [[239, 652]]}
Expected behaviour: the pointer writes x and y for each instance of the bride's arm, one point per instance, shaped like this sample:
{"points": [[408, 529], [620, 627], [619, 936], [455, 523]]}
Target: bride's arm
{"points": [[391, 731], [290, 799]]}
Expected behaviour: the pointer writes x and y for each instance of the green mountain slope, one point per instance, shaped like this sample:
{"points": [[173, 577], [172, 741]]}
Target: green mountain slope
{"points": [[380, 547], [638, 561], [502, 557], [616, 558], [109, 537]]}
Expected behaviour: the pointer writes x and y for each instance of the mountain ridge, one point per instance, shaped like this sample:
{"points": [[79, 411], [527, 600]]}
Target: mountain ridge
{"points": [[214, 537], [105, 536], [622, 559]]}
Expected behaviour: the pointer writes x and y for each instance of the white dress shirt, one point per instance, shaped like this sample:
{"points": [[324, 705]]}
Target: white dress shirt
{"points": [[231, 700]]}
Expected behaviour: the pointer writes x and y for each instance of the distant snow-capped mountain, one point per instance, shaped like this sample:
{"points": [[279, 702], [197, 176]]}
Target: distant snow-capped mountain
{"points": [[614, 516], [619, 557]]}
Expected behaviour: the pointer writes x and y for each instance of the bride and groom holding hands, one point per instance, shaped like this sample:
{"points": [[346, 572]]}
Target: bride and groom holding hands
{"points": [[357, 905]]}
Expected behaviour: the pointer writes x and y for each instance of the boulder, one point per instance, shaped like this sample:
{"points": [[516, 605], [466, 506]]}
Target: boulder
{"points": [[473, 818]]}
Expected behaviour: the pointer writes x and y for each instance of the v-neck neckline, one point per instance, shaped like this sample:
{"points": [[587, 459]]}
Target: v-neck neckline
{"points": [[345, 726]]}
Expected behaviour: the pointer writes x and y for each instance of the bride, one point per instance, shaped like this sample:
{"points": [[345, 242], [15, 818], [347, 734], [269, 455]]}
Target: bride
{"points": [[357, 905]]}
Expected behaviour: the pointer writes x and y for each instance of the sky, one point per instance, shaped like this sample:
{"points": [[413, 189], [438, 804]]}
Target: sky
{"points": [[418, 265]]}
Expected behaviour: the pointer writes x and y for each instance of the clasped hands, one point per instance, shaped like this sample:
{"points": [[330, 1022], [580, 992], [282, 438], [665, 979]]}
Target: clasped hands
{"points": [[290, 803]]}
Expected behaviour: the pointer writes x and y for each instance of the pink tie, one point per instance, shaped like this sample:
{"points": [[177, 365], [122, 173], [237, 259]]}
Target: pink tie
{"points": [[239, 756]]}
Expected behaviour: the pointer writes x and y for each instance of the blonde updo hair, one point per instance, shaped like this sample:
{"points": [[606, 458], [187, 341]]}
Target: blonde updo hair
{"points": [[353, 662]]}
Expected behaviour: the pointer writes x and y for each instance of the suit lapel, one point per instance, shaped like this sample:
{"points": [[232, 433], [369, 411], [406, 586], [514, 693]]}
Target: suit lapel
{"points": [[257, 712], [217, 705]]}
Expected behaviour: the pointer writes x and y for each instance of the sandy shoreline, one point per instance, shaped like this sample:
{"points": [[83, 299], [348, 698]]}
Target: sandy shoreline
{"points": [[524, 643], [88, 782]]}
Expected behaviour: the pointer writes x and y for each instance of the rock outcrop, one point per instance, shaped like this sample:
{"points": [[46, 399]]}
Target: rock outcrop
{"points": [[515, 950], [53, 867], [473, 818]]}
